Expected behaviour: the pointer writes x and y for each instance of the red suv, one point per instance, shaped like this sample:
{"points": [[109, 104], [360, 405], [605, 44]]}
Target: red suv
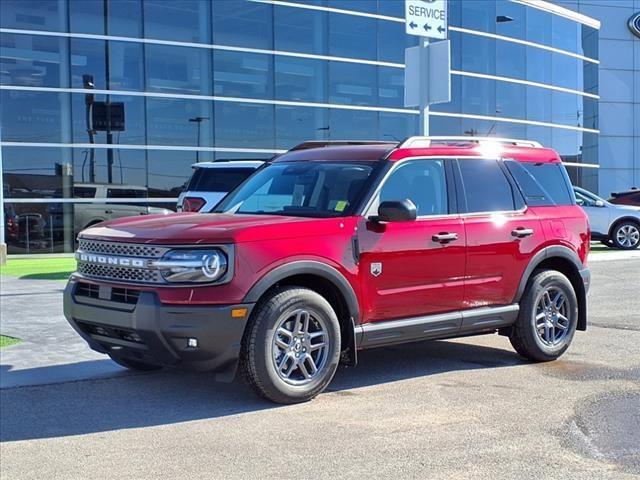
{"points": [[332, 248]]}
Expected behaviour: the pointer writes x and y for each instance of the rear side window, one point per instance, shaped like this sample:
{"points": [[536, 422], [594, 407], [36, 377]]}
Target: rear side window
{"points": [[217, 179], [542, 184], [84, 192], [125, 193], [486, 187]]}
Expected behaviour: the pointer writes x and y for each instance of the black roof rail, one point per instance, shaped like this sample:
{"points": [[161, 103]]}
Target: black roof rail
{"points": [[336, 143]]}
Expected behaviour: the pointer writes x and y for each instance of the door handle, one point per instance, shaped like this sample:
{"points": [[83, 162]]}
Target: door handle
{"points": [[444, 237], [522, 232], [108, 212]]}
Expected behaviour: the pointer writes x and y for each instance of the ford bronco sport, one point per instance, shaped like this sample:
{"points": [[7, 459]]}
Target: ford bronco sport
{"points": [[333, 248]]}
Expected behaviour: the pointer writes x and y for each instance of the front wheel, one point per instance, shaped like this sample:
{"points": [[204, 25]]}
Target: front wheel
{"points": [[292, 346], [626, 236], [548, 317]]}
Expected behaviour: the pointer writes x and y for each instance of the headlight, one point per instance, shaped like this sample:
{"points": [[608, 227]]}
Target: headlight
{"points": [[192, 266]]}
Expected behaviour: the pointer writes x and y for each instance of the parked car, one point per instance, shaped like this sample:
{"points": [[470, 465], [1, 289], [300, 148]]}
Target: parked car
{"points": [[630, 197], [113, 206], [211, 181], [614, 225], [334, 248]]}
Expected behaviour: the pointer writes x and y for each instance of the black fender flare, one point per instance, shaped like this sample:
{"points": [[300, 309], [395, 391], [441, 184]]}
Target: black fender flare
{"points": [[327, 272], [557, 251]]}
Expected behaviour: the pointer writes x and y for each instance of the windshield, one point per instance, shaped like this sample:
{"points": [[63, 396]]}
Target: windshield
{"points": [[306, 189]]}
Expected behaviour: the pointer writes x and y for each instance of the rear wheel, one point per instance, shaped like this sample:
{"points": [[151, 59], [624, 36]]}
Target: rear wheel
{"points": [[134, 364], [292, 346], [548, 317], [626, 235]]}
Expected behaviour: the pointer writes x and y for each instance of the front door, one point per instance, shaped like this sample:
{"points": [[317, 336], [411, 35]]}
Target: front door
{"points": [[413, 268]]}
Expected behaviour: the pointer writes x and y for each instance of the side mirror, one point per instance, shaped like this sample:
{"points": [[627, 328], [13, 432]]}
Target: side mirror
{"points": [[396, 211], [599, 203], [580, 202]]}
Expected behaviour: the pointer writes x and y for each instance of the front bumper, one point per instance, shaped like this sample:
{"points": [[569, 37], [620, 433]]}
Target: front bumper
{"points": [[133, 324]]}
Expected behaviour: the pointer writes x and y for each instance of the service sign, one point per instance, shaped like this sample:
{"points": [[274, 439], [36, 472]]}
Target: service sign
{"points": [[426, 18]]}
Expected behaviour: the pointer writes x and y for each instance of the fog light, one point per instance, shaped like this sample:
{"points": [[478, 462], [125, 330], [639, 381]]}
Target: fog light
{"points": [[192, 342]]}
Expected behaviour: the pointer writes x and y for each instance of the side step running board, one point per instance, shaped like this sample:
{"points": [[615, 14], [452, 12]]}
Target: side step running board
{"points": [[435, 326]]}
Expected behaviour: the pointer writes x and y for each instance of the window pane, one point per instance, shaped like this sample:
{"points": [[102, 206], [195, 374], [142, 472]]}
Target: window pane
{"points": [[476, 175], [423, 182], [390, 87], [300, 79], [134, 119], [351, 36], [239, 74], [177, 121], [34, 116], [353, 84], [352, 124], [184, 20], [300, 30], [295, 125], [33, 15], [244, 125], [178, 69], [86, 16], [243, 24], [32, 60]]}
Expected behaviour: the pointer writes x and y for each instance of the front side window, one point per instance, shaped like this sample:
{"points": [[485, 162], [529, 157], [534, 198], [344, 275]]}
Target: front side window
{"points": [[485, 186], [421, 181], [305, 189]]}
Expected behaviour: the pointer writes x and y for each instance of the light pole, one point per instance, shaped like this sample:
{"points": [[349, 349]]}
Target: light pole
{"points": [[198, 120]]}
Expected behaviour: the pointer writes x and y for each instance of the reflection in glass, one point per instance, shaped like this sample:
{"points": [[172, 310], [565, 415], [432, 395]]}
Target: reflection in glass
{"points": [[33, 61], [178, 69], [184, 20]]}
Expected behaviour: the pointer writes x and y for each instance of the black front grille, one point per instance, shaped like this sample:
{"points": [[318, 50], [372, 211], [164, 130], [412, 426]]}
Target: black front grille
{"points": [[125, 295], [125, 334], [123, 249], [87, 290], [108, 272], [120, 295]]}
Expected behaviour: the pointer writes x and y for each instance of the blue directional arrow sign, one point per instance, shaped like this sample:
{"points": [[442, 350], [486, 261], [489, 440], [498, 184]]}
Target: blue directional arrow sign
{"points": [[429, 15]]}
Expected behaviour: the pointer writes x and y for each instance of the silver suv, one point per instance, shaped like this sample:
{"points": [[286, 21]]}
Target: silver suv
{"points": [[614, 225]]}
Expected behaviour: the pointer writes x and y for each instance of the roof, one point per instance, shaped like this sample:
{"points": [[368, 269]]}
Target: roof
{"points": [[369, 152], [230, 164], [376, 152]]}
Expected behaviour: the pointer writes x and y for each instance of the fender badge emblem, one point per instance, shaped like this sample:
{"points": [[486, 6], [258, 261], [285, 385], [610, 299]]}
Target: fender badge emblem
{"points": [[376, 269]]}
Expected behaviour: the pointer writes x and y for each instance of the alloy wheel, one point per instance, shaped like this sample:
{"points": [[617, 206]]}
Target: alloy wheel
{"points": [[552, 316], [300, 347], [628, 235]]}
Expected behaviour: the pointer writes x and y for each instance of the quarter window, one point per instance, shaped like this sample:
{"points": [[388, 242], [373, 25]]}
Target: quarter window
{"points": [[485, 186], [421, 181]]}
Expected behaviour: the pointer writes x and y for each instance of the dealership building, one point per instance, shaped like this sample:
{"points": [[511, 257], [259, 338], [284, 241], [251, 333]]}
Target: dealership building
{"points": [[106, 103]]}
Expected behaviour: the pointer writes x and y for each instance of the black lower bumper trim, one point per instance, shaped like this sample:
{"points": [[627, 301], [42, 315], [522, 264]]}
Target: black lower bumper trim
{"points": [[153, 332]]}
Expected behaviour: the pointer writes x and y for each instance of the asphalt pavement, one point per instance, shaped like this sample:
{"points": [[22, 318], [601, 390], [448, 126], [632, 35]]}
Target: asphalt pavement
{"points": [[466, 408]]}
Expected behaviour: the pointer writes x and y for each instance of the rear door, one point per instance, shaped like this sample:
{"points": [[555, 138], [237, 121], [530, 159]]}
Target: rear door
{"points": [[406, 271], [502, 234]]}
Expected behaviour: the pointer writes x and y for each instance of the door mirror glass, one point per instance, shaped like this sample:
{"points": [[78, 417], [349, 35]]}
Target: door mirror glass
{"points": [[599, 203], [396, 211]]}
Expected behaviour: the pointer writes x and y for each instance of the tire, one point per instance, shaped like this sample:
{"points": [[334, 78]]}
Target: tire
{"points": [[626, 235], [268, 358], [134, 364], [543, 335]]}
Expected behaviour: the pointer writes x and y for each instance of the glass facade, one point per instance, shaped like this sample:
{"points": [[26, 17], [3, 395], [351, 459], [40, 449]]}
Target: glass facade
{"points": [[229, 79]]}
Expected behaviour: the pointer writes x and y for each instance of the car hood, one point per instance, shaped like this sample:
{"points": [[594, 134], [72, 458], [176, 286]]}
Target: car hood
{"points": [[205, 228], [626, 209]]}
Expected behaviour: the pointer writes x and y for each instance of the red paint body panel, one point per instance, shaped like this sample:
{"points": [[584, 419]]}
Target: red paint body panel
{"points": [[419, 276]]}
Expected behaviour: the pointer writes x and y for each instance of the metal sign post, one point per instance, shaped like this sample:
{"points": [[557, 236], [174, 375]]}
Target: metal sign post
{"points": [[427, 66]]}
